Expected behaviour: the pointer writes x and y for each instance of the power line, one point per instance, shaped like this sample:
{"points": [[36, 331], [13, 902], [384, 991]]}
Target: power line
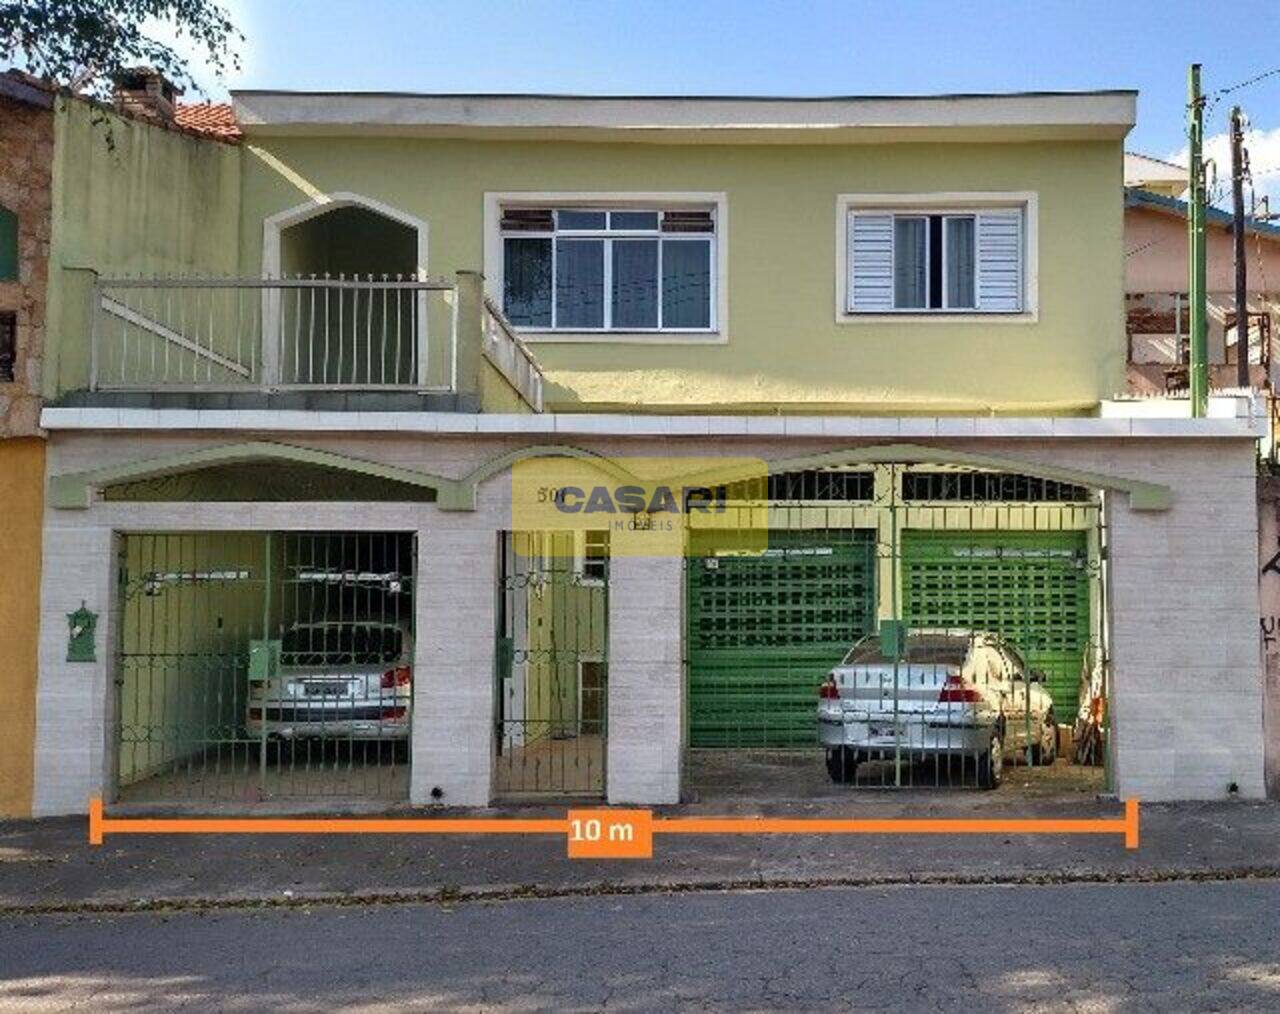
{"points": [[1244, 84]]}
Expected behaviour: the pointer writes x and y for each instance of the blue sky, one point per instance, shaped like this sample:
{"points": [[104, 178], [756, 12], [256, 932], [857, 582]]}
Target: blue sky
{"points": [[797, 48]]}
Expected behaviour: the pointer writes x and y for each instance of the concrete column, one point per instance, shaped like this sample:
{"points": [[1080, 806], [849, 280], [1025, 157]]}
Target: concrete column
{"points": [[470, 296], [646, 677], [1269, 595], [1187, 680], [75, 726], [453, 697]]}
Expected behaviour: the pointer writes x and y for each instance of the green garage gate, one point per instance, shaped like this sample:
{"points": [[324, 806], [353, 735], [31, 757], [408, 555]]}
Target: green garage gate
{"points": [[764, 629], [1031, 587]]}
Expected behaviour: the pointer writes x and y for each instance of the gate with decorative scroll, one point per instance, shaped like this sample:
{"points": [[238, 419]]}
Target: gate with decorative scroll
{"points": [[552, 665]]}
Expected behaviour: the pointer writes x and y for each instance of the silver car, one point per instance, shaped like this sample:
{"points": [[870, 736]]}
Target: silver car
{"points": [[336, 680], [954, 694]]}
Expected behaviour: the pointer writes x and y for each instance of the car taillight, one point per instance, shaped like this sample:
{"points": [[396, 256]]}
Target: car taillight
{"points": [[391, 714], [397, 677], [956, 691], [828, 691]]}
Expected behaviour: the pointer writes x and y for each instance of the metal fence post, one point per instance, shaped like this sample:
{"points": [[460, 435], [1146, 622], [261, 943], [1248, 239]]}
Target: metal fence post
{"points": [[95, 303]]}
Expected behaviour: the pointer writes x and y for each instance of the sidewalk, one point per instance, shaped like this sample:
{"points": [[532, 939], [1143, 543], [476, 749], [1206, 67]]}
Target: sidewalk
{"points": [[49, 865]]}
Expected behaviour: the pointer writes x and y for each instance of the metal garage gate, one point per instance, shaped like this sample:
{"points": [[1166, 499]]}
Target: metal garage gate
{"points": [[764, 629], [254, 665], [1030, 587]]}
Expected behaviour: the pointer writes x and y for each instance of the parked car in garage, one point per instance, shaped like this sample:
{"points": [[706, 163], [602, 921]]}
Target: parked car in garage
{"points": [[958, 694], [349, 679]]}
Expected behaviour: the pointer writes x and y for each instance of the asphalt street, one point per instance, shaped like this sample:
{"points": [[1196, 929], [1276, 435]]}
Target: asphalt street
{"points": [[1171, 946]]}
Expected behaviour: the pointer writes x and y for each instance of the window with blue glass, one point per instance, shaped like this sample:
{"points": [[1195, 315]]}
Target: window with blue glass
{"points": [[603, 269]]}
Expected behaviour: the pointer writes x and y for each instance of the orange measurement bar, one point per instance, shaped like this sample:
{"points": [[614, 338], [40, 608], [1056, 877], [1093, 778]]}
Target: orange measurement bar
{"points": [[606, 833], [610, 834]]}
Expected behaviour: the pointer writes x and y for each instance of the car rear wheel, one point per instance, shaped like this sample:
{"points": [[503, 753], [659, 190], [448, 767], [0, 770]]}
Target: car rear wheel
{"points": [[1045, 752], [842, 765], [991, 764]]}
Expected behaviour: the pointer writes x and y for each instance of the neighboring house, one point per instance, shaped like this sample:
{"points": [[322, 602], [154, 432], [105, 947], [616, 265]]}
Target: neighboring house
{"points": [[296, 382], [1156, 286], [1155, 175], [26, 154], [30, 116]]}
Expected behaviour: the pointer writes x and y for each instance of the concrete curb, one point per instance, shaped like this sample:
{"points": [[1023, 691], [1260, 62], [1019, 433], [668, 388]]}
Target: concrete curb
{"points": [[450, 895]]}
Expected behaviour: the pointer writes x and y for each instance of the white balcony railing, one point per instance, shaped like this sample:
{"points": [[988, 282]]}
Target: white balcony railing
{"points": [[233, 334]]}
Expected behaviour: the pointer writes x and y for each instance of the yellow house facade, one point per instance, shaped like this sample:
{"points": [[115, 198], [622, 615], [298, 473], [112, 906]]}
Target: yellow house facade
{"points": [[781, 180], [349, 330]]}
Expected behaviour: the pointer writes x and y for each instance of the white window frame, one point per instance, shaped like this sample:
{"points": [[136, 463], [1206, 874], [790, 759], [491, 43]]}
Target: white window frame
{"points": [[948, 203], [591, 658], [948, 217], [715, 202], [581, 558]]}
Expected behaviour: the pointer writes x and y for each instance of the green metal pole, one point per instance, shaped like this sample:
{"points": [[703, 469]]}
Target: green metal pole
{"points": [[1195, 226], [895, 549], [269, 677]]}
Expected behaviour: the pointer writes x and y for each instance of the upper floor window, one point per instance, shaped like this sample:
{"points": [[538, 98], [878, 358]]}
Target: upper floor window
{"points": [[8, 347], [609, 269], [958, 260], [8, 245]]}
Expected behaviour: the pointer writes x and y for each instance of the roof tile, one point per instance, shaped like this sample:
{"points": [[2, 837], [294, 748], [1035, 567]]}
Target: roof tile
{"points": [[216, 119]]}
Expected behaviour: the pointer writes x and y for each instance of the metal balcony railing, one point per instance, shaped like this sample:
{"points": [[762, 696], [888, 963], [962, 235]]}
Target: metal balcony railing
{"points": [[232, 334]]}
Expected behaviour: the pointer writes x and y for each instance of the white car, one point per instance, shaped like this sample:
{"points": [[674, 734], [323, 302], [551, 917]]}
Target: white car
{"points": [[958, 694], [350, 679]]}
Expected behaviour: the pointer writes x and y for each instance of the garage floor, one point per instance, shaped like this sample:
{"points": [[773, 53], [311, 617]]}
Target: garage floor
{"points": [[339, 771], [573, 766], [738, 775]]}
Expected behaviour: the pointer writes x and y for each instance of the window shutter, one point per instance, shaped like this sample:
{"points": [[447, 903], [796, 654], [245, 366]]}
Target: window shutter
{"points": [[687, 221], [870, 253], [1000, 261], [8, 245], [527, 220]]}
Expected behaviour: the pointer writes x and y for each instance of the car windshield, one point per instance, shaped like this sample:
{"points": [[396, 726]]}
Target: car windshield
{"points": [[341, 644], [922, 649]]}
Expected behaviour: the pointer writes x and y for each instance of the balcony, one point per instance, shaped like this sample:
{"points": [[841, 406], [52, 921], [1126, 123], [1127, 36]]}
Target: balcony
{"points": [[1158, 325], [378, 343]]}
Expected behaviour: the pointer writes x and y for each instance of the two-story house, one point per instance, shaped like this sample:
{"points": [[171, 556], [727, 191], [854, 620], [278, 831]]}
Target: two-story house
{"points": [[377, 378], [1156, 298]]}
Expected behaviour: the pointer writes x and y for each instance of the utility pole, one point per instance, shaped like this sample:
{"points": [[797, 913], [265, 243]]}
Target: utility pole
{"points": [[1195, 236], [1242, 270]]}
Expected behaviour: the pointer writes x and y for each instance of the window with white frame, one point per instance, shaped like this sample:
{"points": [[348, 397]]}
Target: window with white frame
{"points": [[603, 269], [966, 260], [593, 556]]}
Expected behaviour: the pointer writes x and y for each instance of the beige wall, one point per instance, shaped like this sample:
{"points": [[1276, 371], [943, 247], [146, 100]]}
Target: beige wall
{"points": [[1185, 656], [1155, 244], [1269, 594]]}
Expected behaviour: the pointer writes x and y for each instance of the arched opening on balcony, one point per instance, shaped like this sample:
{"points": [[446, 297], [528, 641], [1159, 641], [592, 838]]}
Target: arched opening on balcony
{"points": [[347, 311]]}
